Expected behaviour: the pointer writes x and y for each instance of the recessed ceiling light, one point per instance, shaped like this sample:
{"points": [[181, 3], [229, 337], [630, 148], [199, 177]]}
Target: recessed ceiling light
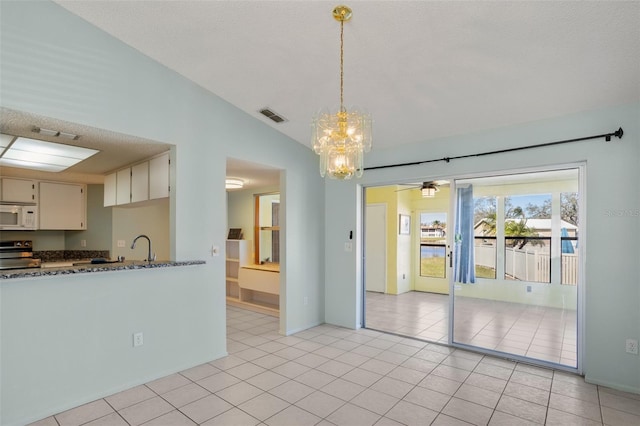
{"points": [[233, 183], [5, 141], [46, 156]]}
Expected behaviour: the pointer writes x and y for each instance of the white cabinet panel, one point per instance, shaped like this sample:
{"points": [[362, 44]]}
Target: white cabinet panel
{"points": [[140, 182], [110, 190], [159, 177], [62, 206], [18, 190], [123, 187]]}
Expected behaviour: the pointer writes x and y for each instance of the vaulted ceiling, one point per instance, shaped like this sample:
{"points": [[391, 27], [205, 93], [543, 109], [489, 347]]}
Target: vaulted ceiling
{"points": [[424, 69]]}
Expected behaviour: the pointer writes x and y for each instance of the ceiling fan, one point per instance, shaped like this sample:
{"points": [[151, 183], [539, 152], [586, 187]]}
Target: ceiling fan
{"points": [[428, 188]]}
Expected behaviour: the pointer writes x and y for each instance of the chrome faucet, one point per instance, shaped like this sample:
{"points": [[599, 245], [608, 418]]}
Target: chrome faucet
{"points": [[150, 257]]}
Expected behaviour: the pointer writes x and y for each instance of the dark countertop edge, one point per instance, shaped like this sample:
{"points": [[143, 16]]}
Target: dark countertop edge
{"points": [[104, 267]]}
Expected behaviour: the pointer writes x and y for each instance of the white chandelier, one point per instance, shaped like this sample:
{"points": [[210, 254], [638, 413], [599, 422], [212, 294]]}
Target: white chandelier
{"points": [[341, 137]]}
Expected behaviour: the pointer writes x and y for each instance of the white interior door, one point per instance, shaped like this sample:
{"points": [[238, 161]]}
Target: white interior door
{"points": [[376, 247]]}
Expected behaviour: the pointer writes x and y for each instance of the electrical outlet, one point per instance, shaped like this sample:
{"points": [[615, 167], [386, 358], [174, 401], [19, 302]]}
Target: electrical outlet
{"points": [[348, 247], [83, 243], [632, 346], [306, 301], [120, 243], [138, 339], [528, 289]]}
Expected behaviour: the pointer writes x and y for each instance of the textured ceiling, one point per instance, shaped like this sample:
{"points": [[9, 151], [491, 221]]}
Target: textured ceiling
{"points": [[424, 69]]}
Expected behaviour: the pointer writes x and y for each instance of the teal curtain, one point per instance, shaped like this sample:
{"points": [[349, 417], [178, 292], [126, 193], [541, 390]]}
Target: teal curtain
{"points": [[464, 271]]}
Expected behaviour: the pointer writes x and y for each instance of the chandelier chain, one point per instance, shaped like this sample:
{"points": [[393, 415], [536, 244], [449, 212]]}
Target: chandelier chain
{"points": [[341, 65]]}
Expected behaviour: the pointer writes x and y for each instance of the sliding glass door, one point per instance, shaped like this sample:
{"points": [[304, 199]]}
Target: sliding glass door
{"points": [[516, 252]]}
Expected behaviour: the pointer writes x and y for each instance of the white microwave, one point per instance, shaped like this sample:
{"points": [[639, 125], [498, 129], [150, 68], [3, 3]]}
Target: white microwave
{"points": [[18, 217]]}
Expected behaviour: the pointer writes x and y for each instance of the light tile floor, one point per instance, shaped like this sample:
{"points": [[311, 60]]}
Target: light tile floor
{"points": [[541, 333], [329, 375]]}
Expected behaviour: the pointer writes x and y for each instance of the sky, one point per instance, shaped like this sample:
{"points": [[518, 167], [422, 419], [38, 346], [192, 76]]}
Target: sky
{"points": [[524, 200]]}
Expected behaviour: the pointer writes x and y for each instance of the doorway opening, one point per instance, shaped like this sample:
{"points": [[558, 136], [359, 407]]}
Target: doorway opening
{"points": [[253, 247]]}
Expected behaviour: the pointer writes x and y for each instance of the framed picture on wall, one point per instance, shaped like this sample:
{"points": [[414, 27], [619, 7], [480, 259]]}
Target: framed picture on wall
{"points": [[405, 224]]}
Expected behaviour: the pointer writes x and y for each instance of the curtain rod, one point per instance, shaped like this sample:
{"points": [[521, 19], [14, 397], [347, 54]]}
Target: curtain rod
{"points": [[618, 133]]}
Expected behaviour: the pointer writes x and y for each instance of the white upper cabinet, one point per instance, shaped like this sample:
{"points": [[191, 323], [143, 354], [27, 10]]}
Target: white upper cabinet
{"points": [[144, 181], [110, 190], [140, 182], [159, 176], [19, 190], [123, 186], [62, 206]]}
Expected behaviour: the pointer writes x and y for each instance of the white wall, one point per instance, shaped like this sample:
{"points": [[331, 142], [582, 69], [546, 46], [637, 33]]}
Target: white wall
{"points": [[612, 292], [56, 65]]}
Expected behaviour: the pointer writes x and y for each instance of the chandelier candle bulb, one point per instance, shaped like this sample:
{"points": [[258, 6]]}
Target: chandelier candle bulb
{"points": [[341, 137]]}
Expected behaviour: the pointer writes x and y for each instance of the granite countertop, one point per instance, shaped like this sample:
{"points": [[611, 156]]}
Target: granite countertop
{"points": [[89, 267]]}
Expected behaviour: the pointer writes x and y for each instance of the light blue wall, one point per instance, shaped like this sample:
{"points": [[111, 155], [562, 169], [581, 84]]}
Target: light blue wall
{"points": [[98, 233], [612, 289], [56, 65]]}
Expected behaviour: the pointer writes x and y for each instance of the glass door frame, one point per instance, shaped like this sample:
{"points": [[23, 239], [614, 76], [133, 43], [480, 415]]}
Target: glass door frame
{"points": [[420, 283], [580, 290]]}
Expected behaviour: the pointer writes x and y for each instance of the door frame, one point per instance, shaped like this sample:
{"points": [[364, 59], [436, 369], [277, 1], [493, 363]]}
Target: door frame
{"points": [[364, 273]]}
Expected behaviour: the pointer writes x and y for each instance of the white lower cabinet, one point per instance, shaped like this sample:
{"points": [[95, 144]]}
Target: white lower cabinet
{"points": [[63, 206]]}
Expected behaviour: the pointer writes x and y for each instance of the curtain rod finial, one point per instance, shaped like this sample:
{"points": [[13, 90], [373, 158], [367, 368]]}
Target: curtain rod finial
{"points": [[619, 133]]}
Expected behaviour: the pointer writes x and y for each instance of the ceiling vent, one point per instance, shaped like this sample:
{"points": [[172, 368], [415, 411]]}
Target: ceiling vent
{"points": [[272, 115]]}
